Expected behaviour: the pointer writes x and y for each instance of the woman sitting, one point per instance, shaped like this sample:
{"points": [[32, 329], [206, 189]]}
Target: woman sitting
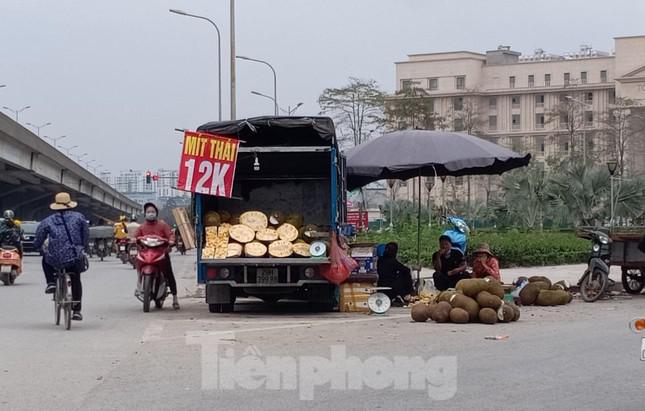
{"points": [[450, 265], [485, 263], [393, 274]]}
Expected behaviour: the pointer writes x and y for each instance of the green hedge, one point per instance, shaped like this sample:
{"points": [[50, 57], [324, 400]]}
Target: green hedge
{"points": [[513, 248]]}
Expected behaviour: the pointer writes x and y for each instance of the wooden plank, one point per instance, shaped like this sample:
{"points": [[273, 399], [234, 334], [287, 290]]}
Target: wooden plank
{"points": [[185, 228]]}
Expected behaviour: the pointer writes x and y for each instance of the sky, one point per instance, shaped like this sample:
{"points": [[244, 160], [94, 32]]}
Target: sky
{"points": [[117, 77]]}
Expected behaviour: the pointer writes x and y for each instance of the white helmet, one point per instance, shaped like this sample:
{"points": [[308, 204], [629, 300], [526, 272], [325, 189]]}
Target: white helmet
{"points": [[8, 215]]}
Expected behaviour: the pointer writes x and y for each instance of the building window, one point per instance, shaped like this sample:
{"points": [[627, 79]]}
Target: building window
{"points": [[539, 144], [517, 145], [460, 82], [603, 76], [564, 120], [539, 121], [433, 83], [588, 118], [567, 79], [565, 146], [516, 124], [515, 101], [407, 84], [458, 124], [539, 100], [531, 80], [583, 77], [511, 82], [547, 80], [492, 103], [612, 96], [589, 97], [492, 123], [458, 103]]}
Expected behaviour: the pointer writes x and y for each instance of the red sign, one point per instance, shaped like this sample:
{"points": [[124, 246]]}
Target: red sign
{"points": [[358, 219], [208, 164]]}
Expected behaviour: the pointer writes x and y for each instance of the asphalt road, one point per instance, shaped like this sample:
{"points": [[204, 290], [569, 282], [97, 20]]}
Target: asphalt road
{"points": [[581, 356]]}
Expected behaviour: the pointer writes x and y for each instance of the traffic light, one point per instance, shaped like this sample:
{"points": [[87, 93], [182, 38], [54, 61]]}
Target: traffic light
{"points": [[148, 177]]}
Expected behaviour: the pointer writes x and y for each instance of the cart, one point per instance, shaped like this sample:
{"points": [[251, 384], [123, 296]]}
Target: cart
{"points": [[624, 252]]}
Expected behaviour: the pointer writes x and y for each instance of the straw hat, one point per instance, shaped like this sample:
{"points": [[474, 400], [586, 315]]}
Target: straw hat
{"points": [[63, 201], [483, 249]]}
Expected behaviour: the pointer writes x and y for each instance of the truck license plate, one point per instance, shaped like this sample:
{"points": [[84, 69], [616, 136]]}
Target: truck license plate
{"points": [[267, 276]]}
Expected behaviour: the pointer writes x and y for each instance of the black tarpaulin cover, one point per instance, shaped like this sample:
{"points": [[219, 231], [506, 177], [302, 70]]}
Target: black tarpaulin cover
{"points": [[269, 131]]}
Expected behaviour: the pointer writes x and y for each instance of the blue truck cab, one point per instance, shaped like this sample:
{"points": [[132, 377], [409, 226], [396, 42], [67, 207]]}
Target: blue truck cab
{"points": [[286, 164]]}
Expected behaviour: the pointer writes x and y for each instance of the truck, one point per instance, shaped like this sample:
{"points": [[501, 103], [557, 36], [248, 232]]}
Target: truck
{"points": [[286, 164]]}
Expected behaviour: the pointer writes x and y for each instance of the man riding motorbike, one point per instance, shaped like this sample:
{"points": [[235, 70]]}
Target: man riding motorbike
{"points": [[121, 229], [154, 226], [68, 234], [10, 231]]}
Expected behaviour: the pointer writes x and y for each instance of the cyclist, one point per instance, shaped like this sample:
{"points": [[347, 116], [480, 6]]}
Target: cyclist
{"points": [[67, 232]]}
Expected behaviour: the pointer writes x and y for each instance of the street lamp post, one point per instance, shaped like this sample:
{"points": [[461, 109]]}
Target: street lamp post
{"points": [[16, 112], [55, 139], [611, 166], [275, 80], [219, 54], [68, 149], [38, 127], [392, 183]]}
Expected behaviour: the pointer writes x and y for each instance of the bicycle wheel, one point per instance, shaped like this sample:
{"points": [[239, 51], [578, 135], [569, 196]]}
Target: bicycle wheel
{"points": [[57, 301], [68, 302]]}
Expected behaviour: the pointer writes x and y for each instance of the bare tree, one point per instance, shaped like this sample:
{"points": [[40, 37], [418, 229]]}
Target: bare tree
{"points": [[568, 116], [357, 109], [624, 123], [411, 108]]}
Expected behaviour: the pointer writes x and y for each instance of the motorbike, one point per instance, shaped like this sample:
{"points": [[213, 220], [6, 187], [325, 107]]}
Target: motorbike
{"points": [[181, 247], [595, 280], [151, 284], [122, 250], [90, 247], [132, 253], [109, 246], [101, 248], [10, 264]]}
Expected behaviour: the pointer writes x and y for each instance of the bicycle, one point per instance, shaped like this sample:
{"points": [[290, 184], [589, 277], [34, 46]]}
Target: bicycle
{"points": [[63, 298]]}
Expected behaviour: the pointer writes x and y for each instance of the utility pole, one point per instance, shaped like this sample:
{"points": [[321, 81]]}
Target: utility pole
{"points": [[232, 13]]}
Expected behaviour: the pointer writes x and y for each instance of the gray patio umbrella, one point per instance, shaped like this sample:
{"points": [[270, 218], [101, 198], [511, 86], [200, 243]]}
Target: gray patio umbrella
{"points": [[418, 153]]}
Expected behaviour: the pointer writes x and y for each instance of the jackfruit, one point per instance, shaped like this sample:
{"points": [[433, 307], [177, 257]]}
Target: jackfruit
{"points": [[553, 297], [441, 313], [540, 278], [486, 299], [529, 294], [488, 315], [467, 303], [419, 312], [505, 313], [459, 316]]}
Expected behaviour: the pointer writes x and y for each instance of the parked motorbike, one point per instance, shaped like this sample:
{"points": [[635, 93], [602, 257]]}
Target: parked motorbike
{"points": [[122, 250], [90, 247], [109, 246], [101, 248], [10, 264], [595, 280], [458, 233], [152, 281]]}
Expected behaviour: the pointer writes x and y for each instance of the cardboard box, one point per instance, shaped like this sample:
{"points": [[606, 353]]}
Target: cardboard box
{"points": [[353, 296]]}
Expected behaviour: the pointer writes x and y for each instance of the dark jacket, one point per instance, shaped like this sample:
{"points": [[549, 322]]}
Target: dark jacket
{"points": [[60, 250]]}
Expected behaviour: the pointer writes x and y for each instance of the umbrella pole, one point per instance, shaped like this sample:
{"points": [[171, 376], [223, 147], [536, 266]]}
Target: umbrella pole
{"points": [[419, 235]]}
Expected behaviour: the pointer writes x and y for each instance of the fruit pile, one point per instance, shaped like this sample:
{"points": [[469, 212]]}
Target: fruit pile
{"points": [[474, 300], [538, 290], [255, 234]]}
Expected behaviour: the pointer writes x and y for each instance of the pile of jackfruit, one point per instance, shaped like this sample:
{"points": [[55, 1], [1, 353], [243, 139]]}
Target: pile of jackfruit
{"points": [[539, 291], [473, 300]]}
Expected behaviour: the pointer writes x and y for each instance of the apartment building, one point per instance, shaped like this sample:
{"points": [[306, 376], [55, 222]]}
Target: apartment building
{"points": [[513, 99]]}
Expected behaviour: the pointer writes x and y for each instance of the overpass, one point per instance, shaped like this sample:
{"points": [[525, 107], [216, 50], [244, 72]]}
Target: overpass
{"points": [[32, 172]]}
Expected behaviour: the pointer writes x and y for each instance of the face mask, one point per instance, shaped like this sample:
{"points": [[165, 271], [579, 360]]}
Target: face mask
{"points": [[151, 216]]}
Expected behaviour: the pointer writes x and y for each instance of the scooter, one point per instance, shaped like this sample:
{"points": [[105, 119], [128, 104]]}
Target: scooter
{"points": [[10, 264], [133, 251], [122, 250], [595, 280], [90, 248], [101, 248], [181, 247], [152, 281]]}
